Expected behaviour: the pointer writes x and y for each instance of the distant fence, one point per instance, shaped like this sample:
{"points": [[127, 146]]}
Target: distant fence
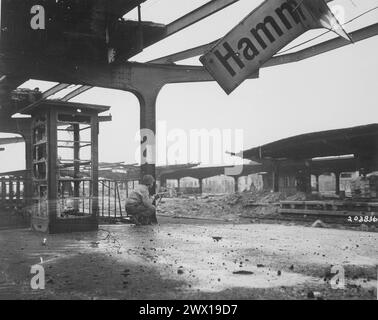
{"points": [[112, 195]]}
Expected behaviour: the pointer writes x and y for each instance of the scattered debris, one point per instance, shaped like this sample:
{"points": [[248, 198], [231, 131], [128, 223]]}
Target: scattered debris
{"points": [[364, 227], [94, 244], [319, 224], [228, 207], [315, 294], [243, 272], [125, 272]]}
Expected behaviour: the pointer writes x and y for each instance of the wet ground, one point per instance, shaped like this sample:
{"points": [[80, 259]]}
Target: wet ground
{"points": [[237, 208], [12, 218], [190, 259]]}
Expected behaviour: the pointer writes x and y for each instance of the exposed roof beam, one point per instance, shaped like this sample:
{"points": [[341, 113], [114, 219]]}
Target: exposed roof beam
{"points": [[50, 92], [75, 93], [4, 141], [54, 90], [189, 19], [105, 118], [178, 74], [190, 53], [121, 7], [17, 173], [197, 15], [127, 76], [323, 47]]}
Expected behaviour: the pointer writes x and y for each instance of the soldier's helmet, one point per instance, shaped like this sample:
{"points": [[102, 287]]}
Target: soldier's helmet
{"points": [[148, 180]]}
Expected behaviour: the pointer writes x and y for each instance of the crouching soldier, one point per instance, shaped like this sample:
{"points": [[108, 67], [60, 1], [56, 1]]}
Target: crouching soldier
{"points": [[139, 204]]}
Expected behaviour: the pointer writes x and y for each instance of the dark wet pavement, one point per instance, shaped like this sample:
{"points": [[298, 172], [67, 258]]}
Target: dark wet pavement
{"points": [[188, 259]]}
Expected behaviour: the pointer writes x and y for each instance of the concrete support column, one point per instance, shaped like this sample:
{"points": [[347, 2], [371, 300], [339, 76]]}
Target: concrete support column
{"points": [[276, 178], [267, 182], [147, 96], [76, 152], [308, 188], [337, 175], [178, 185], [28, 186], [317, 183], [163, 182], [236, 184], [200, 181]]}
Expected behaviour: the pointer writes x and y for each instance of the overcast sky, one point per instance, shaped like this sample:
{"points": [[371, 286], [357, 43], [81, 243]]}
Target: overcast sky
{"points": [[335, 90]]}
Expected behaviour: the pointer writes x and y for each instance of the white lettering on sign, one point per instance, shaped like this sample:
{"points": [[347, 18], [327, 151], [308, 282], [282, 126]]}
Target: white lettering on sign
{"points": [[264, 32]]}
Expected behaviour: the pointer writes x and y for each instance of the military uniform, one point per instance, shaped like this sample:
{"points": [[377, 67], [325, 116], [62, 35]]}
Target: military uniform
{"points": [[140, 207]]}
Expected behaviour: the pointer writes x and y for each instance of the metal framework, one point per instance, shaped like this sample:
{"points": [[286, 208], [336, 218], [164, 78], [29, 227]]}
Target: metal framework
{"points": [[12, 140], [211, 8], [145, 80], [201, 13], [197, 15]]}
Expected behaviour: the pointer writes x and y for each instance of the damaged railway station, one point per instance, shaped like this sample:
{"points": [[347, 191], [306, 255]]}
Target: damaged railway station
{"points": [[273, 225]]}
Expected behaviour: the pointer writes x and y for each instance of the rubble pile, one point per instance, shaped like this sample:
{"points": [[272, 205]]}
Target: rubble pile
{"points": [[230, 207], [365, 187]]}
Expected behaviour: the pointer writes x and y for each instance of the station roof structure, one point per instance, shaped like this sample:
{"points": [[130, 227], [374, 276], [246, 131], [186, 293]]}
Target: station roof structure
{"points": [[208, 172], [132, 37], [118, 171], [11, 140], [89, 31], [65, 105], [319, 144], [128, 38]]}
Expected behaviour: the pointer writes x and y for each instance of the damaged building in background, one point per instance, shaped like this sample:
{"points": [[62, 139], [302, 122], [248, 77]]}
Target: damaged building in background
{"points": [[298, 163], [94, 42]]}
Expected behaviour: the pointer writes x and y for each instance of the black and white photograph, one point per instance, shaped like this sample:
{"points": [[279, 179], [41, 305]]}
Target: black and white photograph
{"points": [[185, 156]]}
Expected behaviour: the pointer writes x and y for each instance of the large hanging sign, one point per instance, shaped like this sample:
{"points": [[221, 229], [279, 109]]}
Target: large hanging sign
{"points": [[264, 32]]}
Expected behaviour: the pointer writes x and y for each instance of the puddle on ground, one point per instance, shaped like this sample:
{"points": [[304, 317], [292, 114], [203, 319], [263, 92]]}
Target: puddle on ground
{"points": [[251, 278]]}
